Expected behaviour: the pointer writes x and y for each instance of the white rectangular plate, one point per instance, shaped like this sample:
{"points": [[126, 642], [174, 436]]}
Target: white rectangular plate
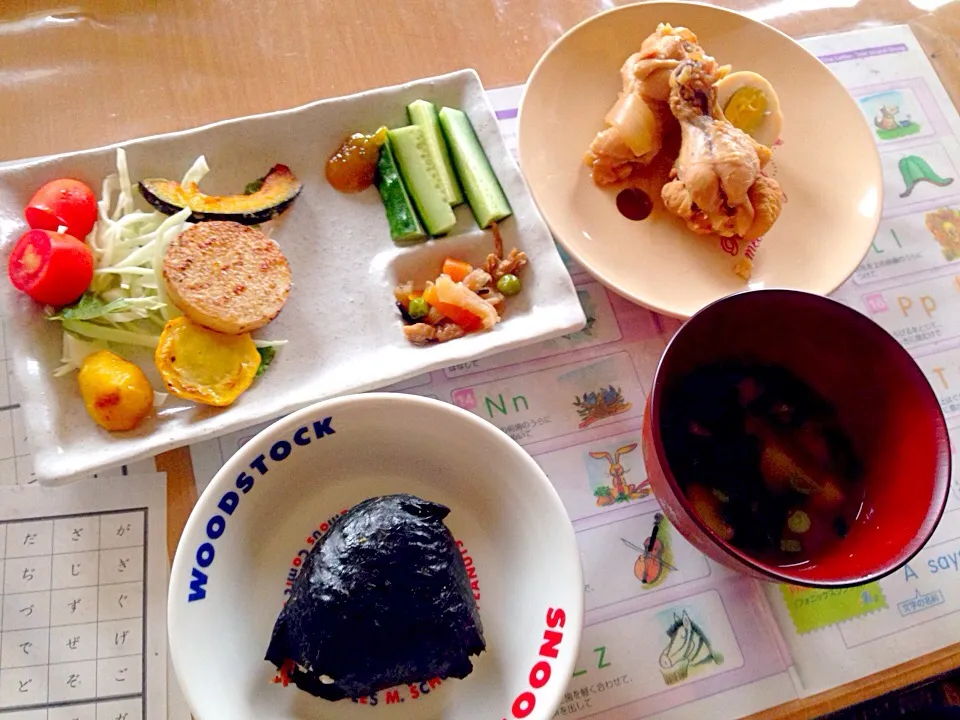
{"points": [[341, 322]]}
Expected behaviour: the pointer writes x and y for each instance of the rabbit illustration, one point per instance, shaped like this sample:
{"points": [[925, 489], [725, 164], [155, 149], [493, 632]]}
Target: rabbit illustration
{"points": [[622, 490]]}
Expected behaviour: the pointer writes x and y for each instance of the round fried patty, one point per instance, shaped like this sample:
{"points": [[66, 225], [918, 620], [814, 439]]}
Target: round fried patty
{"points": [[226, 276]]}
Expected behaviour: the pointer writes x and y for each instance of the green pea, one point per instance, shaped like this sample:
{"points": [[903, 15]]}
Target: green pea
{"points": [[418, 308], [509, 285]]}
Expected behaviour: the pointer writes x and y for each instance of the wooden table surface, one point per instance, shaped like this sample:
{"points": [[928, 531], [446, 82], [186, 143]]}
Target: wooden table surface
{"points": [[79, 74]]}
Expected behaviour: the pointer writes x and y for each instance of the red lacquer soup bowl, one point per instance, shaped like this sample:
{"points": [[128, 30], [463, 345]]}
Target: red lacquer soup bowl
{"points": [[883, 402]]}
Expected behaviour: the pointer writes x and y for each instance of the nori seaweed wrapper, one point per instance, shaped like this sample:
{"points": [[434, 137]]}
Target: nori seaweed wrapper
{"points": [[382, 599]]}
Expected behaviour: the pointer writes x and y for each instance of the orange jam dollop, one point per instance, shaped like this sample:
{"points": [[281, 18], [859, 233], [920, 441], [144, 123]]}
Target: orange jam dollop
{"points": [[353, 167]]}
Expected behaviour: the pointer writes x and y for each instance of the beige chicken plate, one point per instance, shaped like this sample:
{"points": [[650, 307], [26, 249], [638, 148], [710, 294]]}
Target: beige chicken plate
{"points": [[716, 183], [661, 141]]}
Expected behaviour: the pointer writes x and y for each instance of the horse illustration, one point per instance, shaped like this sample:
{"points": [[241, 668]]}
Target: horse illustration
{"points": [[619, 489], [688, 648]]}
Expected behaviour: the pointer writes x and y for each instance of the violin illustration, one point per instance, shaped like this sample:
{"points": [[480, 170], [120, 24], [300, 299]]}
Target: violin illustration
{"points": [[650, 565]]}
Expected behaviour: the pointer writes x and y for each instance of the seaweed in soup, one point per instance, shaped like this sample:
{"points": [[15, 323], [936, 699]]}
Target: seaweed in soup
{"points": [[762, 458]]}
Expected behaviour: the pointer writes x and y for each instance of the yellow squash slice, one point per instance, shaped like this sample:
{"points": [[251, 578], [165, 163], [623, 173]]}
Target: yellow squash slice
{"points": [[205, 366]]}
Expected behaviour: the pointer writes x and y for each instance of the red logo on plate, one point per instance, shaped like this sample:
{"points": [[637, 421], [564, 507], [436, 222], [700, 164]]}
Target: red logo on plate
{"points": [[539, 676]]}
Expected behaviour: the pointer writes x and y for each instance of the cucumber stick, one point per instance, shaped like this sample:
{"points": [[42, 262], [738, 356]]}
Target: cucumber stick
{"points": [[486, 197], [424, 114], [422, 178], [405, 227]]}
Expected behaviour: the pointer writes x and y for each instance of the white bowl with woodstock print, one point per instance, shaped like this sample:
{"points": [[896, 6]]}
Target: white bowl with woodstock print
{"points": [[274, 499]]}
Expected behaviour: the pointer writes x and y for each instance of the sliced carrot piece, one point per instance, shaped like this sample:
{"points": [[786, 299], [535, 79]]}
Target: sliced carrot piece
{"points": [[464, 318], [457, 294], [456, 269], [430, 294]]}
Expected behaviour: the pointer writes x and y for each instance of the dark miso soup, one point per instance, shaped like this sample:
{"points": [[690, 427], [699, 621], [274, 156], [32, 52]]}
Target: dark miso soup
{"points": [[762, 459]]}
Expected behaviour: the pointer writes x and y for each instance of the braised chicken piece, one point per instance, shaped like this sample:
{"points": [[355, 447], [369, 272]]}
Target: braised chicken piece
{"points": [[647, 72], [717, 185], [612, 161], [636, 121]]}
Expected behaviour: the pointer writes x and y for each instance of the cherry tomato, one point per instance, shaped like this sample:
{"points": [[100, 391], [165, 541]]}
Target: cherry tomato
{"points": [[63, 202], [52, 268]]}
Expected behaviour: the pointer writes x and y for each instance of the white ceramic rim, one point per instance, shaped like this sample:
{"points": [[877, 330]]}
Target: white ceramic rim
{"points": [[206, 503]]}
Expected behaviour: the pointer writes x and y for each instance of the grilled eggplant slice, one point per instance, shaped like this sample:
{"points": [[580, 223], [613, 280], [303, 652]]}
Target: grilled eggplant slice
{"points": [[264, 200], [383, 599]]}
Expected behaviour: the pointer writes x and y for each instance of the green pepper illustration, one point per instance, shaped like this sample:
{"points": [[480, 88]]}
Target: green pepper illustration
{"points": [[914, 169]]}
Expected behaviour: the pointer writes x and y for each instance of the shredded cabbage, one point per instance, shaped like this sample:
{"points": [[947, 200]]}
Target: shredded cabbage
{"points": [[74, 352], [126, 302], [128, 247]]}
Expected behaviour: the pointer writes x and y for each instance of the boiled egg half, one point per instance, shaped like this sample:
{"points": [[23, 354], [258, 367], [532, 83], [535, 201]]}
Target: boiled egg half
{"points": [[750, 103]]}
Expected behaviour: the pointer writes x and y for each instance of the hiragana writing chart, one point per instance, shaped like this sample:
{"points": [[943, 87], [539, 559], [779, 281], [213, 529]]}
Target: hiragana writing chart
{"points": [[72, 616], [81, 601]]}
